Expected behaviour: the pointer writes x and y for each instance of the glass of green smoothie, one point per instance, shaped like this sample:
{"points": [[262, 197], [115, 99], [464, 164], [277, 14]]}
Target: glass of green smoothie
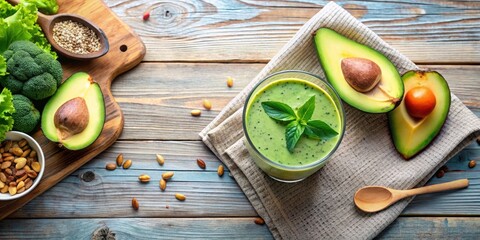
{"points": [[293, 122]]}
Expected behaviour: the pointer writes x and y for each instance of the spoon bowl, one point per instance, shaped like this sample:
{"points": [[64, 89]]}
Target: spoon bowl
{"points": [[47, 22], [376, 198]]}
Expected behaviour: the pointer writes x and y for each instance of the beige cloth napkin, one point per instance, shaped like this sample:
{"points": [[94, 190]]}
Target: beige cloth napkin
{"points": [[321, 207]]}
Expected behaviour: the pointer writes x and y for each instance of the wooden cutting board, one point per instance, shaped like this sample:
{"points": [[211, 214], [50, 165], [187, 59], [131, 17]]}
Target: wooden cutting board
{"points": [[126, 51]]}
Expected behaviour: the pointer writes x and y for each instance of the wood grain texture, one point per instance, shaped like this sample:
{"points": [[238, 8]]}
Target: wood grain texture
{"points": [[136, 228], [110, 192], [253, 31], [60, 162], [193, 46], [156, 98], [432, 228], [219, 228]]}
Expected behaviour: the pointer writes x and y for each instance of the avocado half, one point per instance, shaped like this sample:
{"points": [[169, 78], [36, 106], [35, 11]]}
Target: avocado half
{"points": [[75, 115], [411, 135], [333, 47]]}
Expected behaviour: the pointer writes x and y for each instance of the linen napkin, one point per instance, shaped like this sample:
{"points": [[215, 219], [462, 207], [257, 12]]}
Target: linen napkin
{"points": [[321, 206]]}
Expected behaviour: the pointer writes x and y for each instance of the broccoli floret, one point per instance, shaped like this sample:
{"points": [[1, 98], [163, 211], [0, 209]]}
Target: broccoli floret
{"points": [[26, 116], [31, 72]]}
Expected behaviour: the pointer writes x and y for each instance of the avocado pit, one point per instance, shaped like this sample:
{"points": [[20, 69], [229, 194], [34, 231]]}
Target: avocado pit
{"points": [[361, 74], [72, 117]]}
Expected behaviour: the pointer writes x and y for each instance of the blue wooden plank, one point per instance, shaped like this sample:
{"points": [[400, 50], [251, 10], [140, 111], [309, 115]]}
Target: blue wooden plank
{"points": [[432, 228], [218, 228], [135, 228]]}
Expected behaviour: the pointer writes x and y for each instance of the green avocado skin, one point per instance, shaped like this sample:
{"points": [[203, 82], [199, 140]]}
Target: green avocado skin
{"points": [[79, 84], [410, 139], [332, 47]]}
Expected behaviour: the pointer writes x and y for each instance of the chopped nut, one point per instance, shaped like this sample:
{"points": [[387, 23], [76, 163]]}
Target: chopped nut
{"points": [[163, 184], [110, 166], [220, 170], [160, 159], [229, 82], [259, 221], [144, 178], [167, 175], [207, 104], [196, 112], [472, 164], [119, 159], [180, 197], [135, 204], [127, 164], [201, 163]]}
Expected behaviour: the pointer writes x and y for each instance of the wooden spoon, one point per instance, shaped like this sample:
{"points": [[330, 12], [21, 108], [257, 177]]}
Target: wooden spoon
{"points": [[375, 198], [47, 22]]}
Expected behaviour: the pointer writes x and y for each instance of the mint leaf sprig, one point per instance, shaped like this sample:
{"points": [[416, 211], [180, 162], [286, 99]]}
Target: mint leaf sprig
{"points": [[298, 123]]}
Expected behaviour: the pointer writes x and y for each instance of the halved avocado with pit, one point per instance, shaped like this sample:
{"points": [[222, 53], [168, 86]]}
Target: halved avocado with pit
{"points": [[75, 115], [411, 134], [333, 48]]}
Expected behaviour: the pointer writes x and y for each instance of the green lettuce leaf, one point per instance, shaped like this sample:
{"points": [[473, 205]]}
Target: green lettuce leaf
{"points": [[6, 111], [19, 23], [3, 66], [45, 6]]}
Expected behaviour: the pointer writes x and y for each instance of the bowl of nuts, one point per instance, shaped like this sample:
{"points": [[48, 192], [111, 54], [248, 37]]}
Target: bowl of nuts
{"points": [[22, 164]]}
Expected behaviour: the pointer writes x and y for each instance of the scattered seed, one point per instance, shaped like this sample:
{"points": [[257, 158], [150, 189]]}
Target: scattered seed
{"points": [[146, 15], [119, 159], [160, 159], [444, 168], [196, 112], [440, 173], [220, 170], [144, 178], [75, 37], [167, 175], [259, 221], [207, 104], [111, 166], [229, 82], [201, 163], [472, 164], [180, 197], [127, 164], [163, 184], [135, 204]]}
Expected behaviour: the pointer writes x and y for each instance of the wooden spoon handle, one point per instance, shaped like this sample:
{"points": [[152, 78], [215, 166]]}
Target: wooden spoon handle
{"points": [[462, 183]]}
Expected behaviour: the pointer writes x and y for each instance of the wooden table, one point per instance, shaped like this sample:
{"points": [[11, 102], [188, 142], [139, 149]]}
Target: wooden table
{"points": [[192, 47]]}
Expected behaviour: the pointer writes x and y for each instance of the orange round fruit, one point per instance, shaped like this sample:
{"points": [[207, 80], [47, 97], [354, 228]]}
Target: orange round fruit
{"points": [[420, 101]]}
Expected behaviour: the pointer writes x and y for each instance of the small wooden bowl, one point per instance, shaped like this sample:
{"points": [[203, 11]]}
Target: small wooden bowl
{"points": [[47, 23]]}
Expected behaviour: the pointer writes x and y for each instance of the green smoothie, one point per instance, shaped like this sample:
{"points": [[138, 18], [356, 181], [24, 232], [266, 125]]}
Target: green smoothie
{"points": [[268, 135]]}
